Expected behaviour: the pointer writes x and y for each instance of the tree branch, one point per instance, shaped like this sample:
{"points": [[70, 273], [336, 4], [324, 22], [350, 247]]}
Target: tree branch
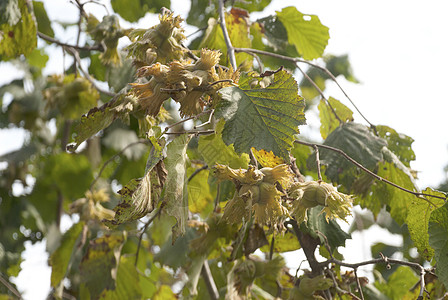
{"points": [[9, 286], [298, 60], [222, 22], [370, 172], [209, 282], [65, 45]]}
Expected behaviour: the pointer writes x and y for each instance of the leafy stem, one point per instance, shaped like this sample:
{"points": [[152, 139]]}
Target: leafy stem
{"points": [[346, 156]]}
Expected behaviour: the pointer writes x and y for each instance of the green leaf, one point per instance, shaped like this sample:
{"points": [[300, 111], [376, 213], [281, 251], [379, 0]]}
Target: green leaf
{"points": [[164, 293], [98, 268], [214, 151], [398, 143], [238, 29], [133, 10], [327, 112], [316, 223], [399, 283], [200, 12], [60, 259], [43, 22], [263, 118], [175, 194], [340, 65], [19, 38], [419, 212], [127, 283], [38, 58], [64, 169], [357, 142], [252, 5], [199, 195], [306, 32], [438, 240], [283, 243]]}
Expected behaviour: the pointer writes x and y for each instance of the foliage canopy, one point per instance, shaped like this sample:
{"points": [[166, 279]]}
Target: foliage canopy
{"points": [[180, 162]]}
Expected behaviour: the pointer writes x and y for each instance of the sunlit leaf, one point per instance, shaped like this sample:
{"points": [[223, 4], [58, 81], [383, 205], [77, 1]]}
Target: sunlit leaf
{"points": [[38, 58], [263, 118], [438, 240], [199, 195], [215, 151], [399, 283], [306, 32], [98, 268], [419, 212], [60, 259], [267, 159], [238, 28], [283, 243], [175, 194], [329, 111]]}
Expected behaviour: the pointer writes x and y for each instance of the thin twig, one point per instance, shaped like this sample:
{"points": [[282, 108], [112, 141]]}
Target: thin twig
{"points": [[319, 175], [113, 158], [196, 172], [218, 189], [9, 286], [346, 156], [358, 284], [192, 132], [298, 60], [222, 22], [320, 92], [144, 230], [209, 281], [65, 45], [209, 121], [338, 289]]}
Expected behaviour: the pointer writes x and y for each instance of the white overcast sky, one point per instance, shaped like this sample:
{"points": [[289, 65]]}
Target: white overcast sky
{"points": [[398, 50]]}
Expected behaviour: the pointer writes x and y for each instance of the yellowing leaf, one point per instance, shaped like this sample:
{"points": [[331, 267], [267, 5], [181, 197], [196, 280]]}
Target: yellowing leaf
{"points": [[19, 37], [175, 194], [60, 259], [140, 196], [238, 28], [267, 159], [98, 268], [419, 212], [214, 151], [306, 32], [264, 118]]}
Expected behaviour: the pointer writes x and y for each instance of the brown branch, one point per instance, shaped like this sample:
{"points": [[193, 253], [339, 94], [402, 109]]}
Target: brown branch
{"points": [[222, 22], [209, 281], [65, 45], [346, 156], [358, 284], [192, 132], [298, 60], [9, 286]]}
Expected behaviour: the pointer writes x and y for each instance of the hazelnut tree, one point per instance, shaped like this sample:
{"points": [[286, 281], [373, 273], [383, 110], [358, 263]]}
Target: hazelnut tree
{"points": [[180, 164]]}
